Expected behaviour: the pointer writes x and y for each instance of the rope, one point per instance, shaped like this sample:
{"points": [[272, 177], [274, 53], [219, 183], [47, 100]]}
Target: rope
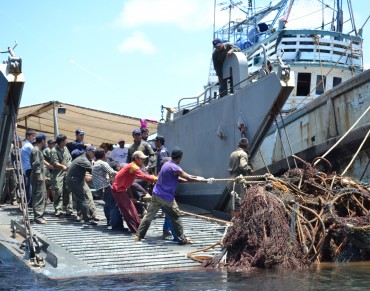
{"points": [[287, 137], [282, 144], [239, 177], [206, 217], [317, 40], [348, 131], [263, 160], [201, 259], [355, 155]]}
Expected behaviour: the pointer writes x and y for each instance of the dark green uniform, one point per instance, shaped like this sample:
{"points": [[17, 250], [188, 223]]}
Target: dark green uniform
{"points": [[38, 183], [238, 165], [48, 172], [63, 196], [77, 184], [9, 192], [146, 149]]}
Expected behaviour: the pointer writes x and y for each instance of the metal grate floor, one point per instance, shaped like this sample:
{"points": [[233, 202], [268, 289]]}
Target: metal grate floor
{"points": [[98, 250]]}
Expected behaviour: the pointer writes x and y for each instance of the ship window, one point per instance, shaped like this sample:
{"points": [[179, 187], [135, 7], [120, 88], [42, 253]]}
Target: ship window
{"points": [[320, 85], [303, 84], [336, 81]]}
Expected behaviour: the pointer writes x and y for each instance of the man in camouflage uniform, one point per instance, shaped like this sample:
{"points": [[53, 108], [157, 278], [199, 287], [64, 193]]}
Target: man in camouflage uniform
{"points": [[61, 160], [38, 179], [238, 165], [141, 145], [76, 181], [49, 172], [10, 186]]}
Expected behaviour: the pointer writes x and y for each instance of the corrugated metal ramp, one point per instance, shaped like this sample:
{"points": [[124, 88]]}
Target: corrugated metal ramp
{"points": [[77, 249]]}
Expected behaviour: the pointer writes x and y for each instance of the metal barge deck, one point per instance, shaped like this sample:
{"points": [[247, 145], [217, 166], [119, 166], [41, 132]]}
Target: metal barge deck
{"points": [[74, 249]]}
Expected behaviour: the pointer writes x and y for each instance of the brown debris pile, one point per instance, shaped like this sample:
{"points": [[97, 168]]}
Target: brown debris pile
{"points": [[303, 217]]}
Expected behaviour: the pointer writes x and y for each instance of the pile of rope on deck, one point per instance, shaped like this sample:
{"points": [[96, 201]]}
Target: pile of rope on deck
{"points": [[302, 217]]}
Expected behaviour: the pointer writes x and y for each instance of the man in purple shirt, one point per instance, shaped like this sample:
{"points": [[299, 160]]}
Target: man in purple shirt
{"points": [[164, 196]]}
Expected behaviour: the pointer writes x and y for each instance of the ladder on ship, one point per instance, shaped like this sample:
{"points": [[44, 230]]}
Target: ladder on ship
{"points": [[31, 242]]}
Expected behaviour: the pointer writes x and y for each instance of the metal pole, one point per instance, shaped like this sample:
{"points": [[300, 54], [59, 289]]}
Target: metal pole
{"points": [[56, 131], [229, 32], [214, 19]]}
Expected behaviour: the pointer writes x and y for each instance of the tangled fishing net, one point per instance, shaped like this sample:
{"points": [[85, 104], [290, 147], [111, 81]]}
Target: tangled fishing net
{"points": [[302, 217]]}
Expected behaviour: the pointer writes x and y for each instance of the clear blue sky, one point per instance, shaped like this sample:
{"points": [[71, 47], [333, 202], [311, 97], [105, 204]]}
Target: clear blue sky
{"points": [[123, 56]]}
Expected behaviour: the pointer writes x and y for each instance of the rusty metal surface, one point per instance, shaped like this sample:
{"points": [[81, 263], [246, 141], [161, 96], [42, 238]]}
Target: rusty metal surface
{"points": [[315, 127]]}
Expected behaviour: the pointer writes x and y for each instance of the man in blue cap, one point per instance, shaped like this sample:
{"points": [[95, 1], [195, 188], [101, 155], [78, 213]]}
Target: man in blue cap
{"points": [[141, 145], [221, 51], [79, 143], [76, 182], [38, 179]]}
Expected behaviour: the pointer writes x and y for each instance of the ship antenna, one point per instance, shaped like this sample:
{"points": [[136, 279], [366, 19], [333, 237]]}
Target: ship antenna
{"points": [[10, 50]]}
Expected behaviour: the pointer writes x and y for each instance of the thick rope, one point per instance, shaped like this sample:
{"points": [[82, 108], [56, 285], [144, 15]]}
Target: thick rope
{"points": [[206, 217], [239, 178], [355, 155], [348, 131]]}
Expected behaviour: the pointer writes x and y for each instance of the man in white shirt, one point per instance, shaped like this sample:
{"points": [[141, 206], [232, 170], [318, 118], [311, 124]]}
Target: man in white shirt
{"points": [[119, 154], [26, 162]]}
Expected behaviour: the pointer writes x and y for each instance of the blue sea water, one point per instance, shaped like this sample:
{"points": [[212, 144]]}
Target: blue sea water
{"points": [[345, 276]]}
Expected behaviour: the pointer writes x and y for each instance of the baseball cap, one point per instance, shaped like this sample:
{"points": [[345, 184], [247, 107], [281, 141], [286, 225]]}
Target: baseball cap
{"points": [[136, 131], [176, 153], [139, 154], [243, 142], [30, 131], [216, 42], [121, 140], [40, 137], [76, 152], [90, 148], [160, 138], [79, 132]]}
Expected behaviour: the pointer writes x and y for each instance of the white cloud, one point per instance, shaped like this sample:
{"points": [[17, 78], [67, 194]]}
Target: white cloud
{"points": [[137, 42], [188, 14]]}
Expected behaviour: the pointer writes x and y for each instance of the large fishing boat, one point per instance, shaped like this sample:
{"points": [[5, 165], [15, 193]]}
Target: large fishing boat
{"points": [[321, 59]]}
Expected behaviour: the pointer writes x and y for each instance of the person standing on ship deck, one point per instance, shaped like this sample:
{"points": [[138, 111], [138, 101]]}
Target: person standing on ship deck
{"points": [[76, 182], [144, 133], [26, 164], [164, 196], [119, 155], [238, 165], [49, 172], [141, 145], [220, 53], [123, 181], [102, 174], [163, 156], [61, 159], [140, 187], [38, 179], [79, 143]]}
